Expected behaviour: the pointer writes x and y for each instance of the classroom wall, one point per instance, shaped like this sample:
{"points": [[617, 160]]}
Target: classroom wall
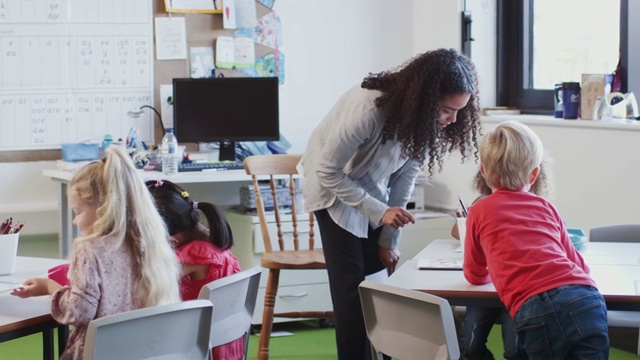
{"points": [[330, 45]]}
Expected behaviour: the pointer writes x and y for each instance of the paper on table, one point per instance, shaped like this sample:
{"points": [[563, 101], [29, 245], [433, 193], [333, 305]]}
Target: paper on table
{"points": [[440, 264], [6, 286]]}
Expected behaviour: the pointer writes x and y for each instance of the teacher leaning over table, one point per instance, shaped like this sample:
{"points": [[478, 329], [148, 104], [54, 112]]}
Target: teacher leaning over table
{"points": [[361, 164]]}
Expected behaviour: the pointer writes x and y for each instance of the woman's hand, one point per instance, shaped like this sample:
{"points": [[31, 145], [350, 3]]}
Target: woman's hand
{"points": [[397, 217], [36, 287], [389, 258]]}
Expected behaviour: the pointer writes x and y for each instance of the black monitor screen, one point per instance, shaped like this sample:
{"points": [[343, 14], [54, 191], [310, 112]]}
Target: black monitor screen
{"points": [[226, 109]]}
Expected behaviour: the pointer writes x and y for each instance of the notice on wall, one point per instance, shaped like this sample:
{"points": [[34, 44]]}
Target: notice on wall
{"points": [[69, 72], [171, 38]]}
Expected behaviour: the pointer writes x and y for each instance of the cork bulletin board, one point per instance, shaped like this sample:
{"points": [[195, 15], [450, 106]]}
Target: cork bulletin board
{"points": [[202, 29]]}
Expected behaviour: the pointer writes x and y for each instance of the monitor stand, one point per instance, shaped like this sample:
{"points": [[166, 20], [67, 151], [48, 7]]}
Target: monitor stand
{"points": [[227, 151]]}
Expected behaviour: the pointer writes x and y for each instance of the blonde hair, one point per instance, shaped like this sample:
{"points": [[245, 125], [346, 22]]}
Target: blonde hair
{"points": [[125, 211], [508, 154], [543, 186]]}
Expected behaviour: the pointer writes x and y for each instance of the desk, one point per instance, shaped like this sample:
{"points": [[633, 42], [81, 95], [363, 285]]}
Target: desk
{"points": [[613, 266], [68, 232], [22, 317]]}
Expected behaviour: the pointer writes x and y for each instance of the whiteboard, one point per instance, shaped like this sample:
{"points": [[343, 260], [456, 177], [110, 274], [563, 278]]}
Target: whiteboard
{"points": [[71, 69]]}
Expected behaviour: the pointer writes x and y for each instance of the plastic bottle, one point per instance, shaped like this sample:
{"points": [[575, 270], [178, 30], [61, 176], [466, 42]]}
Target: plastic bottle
{"points": [[106, 142], [169, 153]]}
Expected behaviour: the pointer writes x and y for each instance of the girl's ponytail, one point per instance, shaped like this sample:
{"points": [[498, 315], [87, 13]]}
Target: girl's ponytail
{"points": [[220, 233]]}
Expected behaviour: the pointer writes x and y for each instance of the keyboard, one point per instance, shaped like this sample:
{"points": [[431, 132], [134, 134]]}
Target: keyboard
{"points": [[204, 166]]}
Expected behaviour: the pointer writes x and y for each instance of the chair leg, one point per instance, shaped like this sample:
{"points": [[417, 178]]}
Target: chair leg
{"points": [[267, 315]]}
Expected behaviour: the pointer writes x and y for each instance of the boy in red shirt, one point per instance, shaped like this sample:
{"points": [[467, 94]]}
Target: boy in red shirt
{"points": [[518, 240]]}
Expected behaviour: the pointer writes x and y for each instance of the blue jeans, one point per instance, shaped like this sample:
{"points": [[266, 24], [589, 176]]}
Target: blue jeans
{"points": [[476, 327], [566, 322]]}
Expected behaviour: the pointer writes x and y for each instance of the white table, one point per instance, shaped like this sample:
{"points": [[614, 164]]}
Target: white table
{"points": [[614, 266], [22, 317], [68, 231]]}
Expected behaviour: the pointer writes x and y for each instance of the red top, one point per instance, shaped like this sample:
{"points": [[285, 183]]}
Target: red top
{"points": [[221, 263], [518, 240]]}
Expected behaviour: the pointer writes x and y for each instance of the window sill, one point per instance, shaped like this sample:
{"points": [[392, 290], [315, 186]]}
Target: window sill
{"points": [[546, 120]]}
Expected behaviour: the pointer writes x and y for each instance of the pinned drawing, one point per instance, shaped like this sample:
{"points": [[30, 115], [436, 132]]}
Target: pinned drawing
{"points": [[234, 53], [267, 32], [201, 62]]}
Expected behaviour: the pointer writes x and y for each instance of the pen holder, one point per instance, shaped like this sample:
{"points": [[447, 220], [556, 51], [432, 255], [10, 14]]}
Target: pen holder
{"points": [[8, 253]]}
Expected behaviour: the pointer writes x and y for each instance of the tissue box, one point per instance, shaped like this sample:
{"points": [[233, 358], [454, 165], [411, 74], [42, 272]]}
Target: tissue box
{"points": [[80, 152]]}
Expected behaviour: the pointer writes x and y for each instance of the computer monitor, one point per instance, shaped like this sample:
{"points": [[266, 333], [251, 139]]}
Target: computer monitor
{"points": [[226, 110]]}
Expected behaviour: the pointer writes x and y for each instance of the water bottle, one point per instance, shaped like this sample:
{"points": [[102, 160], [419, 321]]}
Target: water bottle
{"points": [[169, 153], [106, 142]]}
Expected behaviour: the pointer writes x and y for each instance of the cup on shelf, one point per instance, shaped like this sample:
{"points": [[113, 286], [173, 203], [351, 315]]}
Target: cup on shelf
{"points": [[462, 229], [8, 253], [570, 99]]}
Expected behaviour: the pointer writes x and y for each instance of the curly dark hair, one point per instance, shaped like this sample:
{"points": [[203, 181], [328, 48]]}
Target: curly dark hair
{"points": [[412, 94]]}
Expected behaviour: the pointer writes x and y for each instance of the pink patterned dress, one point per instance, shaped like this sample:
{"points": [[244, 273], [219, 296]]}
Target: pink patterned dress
{"points": [[103, 282]]}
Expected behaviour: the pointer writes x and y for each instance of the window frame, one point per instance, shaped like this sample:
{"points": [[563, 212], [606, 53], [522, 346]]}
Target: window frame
{"points": [[511, 15]]}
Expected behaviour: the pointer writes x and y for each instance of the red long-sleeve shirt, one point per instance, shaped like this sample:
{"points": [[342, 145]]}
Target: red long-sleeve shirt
{"points": [[518, 240]]}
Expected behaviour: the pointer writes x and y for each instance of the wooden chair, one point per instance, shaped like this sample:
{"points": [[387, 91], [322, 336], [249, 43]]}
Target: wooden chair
{"points": [[618, 320], [290, 257]]}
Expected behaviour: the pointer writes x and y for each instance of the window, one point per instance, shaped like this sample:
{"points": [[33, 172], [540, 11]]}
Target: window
{"points": [[540, 45]]}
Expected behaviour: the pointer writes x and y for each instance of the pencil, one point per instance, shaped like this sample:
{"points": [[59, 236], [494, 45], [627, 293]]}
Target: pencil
{"points": [[465, 211]]}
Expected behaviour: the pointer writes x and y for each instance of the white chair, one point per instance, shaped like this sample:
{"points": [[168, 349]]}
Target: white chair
{"points": [[234, 297], [167, 332], [407, 324], [619, 233]]}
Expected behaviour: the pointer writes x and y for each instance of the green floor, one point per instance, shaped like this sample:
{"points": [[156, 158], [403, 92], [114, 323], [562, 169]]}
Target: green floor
{"points": [[308, 341]]}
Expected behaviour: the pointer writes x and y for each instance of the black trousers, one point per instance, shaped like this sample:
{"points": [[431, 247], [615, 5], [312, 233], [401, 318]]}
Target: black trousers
{"points": [[349, 259]]}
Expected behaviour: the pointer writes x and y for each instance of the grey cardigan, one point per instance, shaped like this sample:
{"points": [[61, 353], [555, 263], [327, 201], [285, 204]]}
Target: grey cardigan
{"points": [[351, 172]]}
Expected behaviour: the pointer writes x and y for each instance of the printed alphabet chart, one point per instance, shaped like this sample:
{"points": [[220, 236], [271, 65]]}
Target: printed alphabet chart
{"points": [[71, 69]]}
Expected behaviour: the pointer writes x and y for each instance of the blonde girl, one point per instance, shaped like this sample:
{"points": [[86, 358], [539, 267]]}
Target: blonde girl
{"points": [[123, 260]]}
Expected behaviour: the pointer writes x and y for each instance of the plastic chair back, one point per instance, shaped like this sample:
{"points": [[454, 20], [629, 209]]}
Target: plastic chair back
{"points": [[619, 233], [407, 324], [615, 233], [234, 297], [175, 331]]}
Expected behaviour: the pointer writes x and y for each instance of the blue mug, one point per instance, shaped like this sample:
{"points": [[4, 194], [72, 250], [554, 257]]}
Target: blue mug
{"points": [[570, 99]]}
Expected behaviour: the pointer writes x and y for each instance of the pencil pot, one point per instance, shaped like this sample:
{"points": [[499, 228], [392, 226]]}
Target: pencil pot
{"points": [[8, 253]]}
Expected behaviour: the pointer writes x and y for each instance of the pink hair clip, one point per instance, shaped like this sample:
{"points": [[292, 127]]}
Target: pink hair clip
{"points": [[159, 183]]}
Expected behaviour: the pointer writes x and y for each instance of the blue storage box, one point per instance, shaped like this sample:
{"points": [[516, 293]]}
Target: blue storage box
{"points": [[578, 238], [80, 152]]}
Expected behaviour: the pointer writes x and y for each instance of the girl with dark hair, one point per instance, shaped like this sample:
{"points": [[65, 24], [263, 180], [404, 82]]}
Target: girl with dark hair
{"points": [[204, 252], [361, 163]]}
